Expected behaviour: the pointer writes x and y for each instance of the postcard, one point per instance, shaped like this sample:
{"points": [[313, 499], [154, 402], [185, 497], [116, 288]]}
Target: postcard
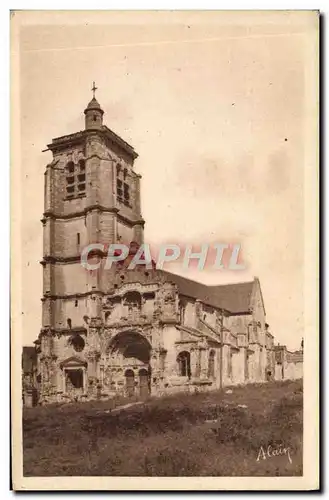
{"points": [[165, 244]]}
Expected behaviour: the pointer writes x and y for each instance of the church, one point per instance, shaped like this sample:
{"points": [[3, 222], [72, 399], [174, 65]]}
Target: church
{"points": [[129, 332]]}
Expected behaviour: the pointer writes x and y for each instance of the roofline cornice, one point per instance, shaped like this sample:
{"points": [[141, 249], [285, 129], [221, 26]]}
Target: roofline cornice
{"points": [[65, 140]]}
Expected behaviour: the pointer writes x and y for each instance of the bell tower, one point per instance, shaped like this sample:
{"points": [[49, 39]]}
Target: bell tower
{"points": [[92, 195]]}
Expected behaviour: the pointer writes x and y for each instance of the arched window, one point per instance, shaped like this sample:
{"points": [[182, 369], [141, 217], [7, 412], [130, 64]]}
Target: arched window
{"points": [[211, 364], [69, 167], [184, 364], [82, 165]]}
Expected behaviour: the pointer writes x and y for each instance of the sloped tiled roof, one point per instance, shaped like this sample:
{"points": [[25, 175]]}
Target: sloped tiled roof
{"points": [[119, 141], [234, 297]]}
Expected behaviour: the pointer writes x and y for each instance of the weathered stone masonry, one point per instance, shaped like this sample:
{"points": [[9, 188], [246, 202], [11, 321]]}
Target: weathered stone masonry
{"points": [[125, 332]]}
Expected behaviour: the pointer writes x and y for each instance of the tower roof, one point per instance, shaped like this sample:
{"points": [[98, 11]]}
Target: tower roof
{"points": [[94, 105]]}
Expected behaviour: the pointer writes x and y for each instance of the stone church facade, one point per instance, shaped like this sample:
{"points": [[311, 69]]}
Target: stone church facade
{"points": [[130, 332]]}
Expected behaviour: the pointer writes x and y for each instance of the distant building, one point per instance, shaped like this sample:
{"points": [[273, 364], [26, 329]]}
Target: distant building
{"points": [[288, 365], [115, 331]]}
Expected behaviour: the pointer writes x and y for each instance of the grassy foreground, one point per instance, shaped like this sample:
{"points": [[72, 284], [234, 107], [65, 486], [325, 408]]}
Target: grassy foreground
{"points": [[170, 436]]}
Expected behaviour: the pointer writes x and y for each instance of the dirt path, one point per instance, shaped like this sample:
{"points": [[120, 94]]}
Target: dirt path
{"points": [[121, 407]]}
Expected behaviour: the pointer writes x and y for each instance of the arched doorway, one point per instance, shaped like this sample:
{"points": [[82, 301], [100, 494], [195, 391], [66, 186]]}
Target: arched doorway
{"points": [[184, 364], [130, 383], [129, 354], [144, 383]]}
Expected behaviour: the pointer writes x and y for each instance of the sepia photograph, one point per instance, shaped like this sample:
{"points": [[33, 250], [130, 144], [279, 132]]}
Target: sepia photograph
{"points": [[164, 250]]}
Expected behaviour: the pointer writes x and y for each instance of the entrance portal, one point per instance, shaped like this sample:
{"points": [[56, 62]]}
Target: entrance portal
{"points": [[129, 354]]}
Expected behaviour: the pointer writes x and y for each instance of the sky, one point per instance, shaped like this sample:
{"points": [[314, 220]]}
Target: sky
{"points": [[215, 106]]}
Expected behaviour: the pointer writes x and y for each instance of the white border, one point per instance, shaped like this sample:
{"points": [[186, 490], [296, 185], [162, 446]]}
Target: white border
{"points": [[241, 483]]}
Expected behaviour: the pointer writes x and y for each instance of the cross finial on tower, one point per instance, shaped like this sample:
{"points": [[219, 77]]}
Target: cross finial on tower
{"points": [[94, 88]]}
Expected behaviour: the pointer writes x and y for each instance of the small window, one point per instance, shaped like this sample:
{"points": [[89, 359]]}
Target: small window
{"points": [[78, 238], [119, 190], [70, 189], [82, 178], [70, 180], [75, 303], [82, 165], [70, 167], [81, 187]]}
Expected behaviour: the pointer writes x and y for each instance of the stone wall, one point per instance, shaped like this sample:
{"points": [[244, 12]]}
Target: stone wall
{"points": [[288, 365]]}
